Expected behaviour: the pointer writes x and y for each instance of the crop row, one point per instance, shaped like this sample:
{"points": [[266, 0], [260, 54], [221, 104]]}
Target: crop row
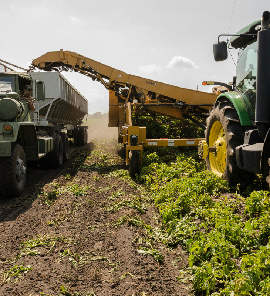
{"points": [[225, 234]]}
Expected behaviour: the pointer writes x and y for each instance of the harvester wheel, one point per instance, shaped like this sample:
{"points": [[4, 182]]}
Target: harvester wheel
{"points": [[56, 156], [223, 134], [134, 163], [64, 138], [13, 172]]}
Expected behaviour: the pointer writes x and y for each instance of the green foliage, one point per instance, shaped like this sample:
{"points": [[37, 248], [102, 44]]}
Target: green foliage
{"points": [[227, 238], [257, 203], [158, 257], [77, 189], [132, 202], [166, 127], [16, 271], [134, 221], [64, 291]]}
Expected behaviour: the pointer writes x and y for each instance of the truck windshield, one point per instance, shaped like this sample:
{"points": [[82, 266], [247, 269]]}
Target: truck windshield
{"points": [[6, 85], [246, 71]]}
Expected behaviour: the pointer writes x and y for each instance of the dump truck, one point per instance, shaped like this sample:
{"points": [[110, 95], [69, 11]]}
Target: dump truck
{"points": [[41, 134], [237, 137]]}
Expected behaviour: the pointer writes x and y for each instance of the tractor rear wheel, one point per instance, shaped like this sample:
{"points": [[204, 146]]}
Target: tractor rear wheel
{"points": [[223, 134]]}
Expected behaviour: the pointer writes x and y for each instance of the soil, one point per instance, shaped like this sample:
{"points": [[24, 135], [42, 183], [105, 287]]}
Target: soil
{"points": [[68, 233]]}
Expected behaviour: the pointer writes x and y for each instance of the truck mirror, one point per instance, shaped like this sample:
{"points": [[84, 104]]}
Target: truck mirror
{"points": [[220, 51], [39, 90]]}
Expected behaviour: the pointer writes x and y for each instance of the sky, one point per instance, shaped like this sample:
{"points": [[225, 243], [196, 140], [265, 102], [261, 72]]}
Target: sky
{"points": [[170, 41]]}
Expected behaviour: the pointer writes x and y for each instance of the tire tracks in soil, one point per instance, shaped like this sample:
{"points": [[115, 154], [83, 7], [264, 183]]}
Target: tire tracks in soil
{"points": [[113, 265]]}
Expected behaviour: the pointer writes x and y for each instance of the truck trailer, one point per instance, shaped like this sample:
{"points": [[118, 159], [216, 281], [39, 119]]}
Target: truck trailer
{"points": [[40, 135]]}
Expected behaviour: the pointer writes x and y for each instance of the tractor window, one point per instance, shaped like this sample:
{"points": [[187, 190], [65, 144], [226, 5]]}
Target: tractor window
{"points": [[6, 85], [246, 71]]}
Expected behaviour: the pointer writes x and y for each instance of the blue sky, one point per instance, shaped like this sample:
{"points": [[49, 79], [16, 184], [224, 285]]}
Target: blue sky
{"points": [[170, 41]]}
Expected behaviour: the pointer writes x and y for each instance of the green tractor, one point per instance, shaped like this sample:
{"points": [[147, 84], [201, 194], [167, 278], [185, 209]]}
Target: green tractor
{"points": [[237, 142]]}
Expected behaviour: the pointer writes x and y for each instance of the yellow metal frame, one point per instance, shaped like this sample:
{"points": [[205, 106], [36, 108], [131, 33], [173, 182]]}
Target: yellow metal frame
{"points": [[127, 131]]}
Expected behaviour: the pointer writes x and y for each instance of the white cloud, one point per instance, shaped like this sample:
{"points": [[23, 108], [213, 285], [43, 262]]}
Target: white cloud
{"points": [[180, 62], [150, 69]]}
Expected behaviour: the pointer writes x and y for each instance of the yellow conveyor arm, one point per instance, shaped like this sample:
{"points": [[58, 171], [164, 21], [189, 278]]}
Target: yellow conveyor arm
{"points": [[127, 86]]}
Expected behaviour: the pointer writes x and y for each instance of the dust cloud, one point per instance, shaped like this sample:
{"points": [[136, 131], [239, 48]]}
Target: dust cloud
{"points": [[98, 129]]}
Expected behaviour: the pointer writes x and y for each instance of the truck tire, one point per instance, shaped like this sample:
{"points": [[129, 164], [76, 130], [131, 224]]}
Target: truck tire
{"points": [[83, 136], [64, 138], [134, 163], [44, 162], [224, 132], [13, 172], [76, 136], [56, 155]]}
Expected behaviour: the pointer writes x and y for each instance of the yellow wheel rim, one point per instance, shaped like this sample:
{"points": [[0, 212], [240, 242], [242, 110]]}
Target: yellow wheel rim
{"points": [[217, 140]]}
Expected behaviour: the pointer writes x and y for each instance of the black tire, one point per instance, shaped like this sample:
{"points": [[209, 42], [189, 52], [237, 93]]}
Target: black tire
{"points": [[265, 162], [76, 136], [44, 162], [64, 138], [83, 136], [13, 172], [134, 163], [56, 155], [224, 164]]}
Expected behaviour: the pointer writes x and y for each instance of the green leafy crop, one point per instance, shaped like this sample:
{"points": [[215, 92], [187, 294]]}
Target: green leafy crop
{"points": [[226, 235]]}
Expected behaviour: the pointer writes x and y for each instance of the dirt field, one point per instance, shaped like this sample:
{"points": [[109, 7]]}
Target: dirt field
{"points": [[82, 230]]}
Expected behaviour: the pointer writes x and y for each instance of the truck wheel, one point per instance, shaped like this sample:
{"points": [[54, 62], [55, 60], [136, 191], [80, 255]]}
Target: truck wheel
{"points": [[76, 136], [13, 172], [134, 163], [223, 134], [56, 156], [83, 136], [64, 138]]}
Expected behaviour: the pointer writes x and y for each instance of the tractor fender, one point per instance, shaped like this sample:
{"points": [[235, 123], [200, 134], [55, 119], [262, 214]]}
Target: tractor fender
{"points": [[239, 105]]}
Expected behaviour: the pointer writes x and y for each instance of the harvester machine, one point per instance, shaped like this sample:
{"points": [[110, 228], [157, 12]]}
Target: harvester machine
{"points": [[129, 93]]}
